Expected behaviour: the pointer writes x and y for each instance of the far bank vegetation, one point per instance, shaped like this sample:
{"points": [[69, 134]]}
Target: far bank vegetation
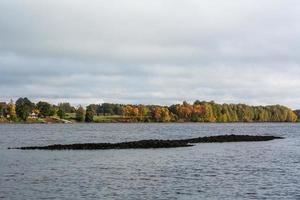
{"points": [[24, 110]]}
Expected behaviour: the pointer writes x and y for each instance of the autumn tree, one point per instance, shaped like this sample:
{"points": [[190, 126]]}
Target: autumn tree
{"points": [[161, 114], [156, 114], [185, 111], [166, 116], [198, 112], [130, 110], [143, 112], [208, 113], [291, 116], [11, 111], [297, 113]]}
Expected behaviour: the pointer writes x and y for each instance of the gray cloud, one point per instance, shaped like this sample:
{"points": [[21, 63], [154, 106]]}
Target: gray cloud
{"points": [[138, 51]]}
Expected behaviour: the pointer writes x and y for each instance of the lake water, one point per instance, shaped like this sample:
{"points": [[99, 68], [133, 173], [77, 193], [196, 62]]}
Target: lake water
{"points": [[254, 170]]}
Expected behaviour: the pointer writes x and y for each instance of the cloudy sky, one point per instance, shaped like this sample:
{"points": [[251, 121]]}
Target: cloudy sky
{"points": [[156, 52]]}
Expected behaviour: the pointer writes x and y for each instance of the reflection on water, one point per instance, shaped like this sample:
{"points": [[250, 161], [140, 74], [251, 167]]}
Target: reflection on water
{"points": [[252, 170]]}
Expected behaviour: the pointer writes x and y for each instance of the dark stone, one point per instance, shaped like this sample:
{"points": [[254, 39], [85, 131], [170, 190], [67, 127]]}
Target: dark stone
{"points": [[146, 144], [231, 138]]}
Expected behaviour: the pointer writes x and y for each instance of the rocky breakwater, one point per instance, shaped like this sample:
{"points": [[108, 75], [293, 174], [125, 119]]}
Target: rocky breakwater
{"points": [[147, 144]]}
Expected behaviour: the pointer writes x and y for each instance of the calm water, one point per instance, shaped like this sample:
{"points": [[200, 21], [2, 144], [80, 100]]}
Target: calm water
{"points": [[262, 170]]}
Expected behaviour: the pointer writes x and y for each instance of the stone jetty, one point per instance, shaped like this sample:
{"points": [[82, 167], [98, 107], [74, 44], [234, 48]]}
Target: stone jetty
{"points": [[147, 144]]}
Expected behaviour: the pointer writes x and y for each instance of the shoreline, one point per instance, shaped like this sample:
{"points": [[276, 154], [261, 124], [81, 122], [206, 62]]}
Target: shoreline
{"points": [[74, 122]]}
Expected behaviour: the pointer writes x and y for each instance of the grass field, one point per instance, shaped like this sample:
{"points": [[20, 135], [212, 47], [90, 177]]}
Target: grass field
{"points": [[102, 118], [70, 116], [108, 118]]}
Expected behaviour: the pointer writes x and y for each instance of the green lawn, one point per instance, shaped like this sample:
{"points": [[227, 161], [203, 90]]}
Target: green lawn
{"points": [[70, 116], [107, 118], [101, 118]]}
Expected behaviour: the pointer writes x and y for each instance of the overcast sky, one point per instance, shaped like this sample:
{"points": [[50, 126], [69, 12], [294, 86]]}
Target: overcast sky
{"points": [[151, 51]]}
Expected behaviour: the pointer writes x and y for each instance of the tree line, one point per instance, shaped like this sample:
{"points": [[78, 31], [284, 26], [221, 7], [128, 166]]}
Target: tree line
{"points": [[199, 111]]}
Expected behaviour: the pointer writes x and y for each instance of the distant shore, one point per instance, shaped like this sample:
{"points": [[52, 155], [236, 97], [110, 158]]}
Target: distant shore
{"points": [[135, 122], [26, 111]]}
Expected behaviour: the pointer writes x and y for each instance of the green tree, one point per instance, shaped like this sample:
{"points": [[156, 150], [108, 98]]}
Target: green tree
{"points": [[66, 107], [80, 114], [217, 110], [45, 109], [61, 113], [90, 113], [108, 109], [93, 108], [89, 116], [24, 107]]}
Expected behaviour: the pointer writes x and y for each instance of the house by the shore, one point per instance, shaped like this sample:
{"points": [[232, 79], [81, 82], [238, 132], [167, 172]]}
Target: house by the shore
{"points": [[33, 115]]}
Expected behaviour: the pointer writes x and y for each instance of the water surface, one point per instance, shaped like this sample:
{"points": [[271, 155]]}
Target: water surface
{"points": [[253, 170]]}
